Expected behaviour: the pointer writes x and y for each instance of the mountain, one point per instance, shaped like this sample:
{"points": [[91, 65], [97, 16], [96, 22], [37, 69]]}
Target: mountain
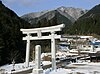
{"points": [[88, 24], [53, 17], [11, 45], [73, 12]]}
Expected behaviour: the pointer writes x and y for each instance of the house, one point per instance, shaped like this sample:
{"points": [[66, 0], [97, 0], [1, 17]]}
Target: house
{"points": [[64, 46], [86, 47], [96, 45]]}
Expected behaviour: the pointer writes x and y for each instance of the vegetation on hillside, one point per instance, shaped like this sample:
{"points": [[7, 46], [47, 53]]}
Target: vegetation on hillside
{"points": [[50, 18], [88, 24], [11, 45]]}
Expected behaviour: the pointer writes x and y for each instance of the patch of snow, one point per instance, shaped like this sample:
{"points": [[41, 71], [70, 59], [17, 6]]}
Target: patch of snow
{"points": [[46, 62], [58, 71], [18, 66]]}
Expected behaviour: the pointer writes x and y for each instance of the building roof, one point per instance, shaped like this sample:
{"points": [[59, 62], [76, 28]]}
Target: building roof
{"points": [[95, 43]]}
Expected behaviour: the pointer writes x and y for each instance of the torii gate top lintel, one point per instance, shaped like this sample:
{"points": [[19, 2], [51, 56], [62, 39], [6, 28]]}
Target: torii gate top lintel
{"points": [[43, 29]]}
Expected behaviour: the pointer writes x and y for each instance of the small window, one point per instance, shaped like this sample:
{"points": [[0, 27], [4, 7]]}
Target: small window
{"points": [[96, 46], [89, 46], [84, 46]]}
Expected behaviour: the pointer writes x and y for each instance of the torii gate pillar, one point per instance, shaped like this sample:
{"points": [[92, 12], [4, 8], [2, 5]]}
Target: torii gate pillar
{"points": [[27, 51], [53, 52]]}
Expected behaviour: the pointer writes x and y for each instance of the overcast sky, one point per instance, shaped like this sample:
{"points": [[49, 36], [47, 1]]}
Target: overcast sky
{"points": [[22, 7]]}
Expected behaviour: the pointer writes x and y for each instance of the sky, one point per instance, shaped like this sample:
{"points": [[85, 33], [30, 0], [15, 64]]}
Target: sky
{"points": [[21, 7]]}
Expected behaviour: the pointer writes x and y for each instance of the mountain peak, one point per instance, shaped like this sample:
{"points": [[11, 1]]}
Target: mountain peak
{"points": [[62, 7], [73, 12]]}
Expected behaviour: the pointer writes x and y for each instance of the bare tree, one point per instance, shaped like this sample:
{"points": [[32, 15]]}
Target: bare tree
{"points": [[13, 55]]}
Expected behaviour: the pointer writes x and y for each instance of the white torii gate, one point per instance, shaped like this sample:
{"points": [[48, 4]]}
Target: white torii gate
{"points": [[39, 36]]}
